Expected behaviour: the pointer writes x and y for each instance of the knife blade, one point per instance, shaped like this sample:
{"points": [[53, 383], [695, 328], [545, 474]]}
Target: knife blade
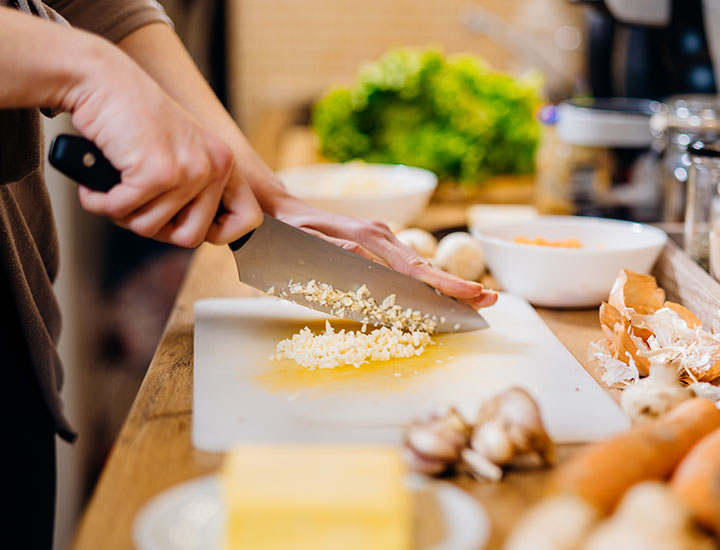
{"points": [[279, 257]]}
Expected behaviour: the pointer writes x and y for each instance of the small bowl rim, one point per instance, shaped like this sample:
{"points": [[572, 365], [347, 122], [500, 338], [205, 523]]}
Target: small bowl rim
{"points": [[661, 236], [424, 181]]}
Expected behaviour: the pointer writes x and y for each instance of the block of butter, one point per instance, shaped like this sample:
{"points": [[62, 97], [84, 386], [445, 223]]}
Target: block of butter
{"points": [[316, 497]]}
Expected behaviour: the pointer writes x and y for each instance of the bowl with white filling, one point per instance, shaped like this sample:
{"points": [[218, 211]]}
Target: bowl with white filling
{"points": [[567, 261], [392, 193]]}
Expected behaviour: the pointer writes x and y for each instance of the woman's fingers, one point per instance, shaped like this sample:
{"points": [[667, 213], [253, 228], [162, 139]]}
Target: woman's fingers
{"points": [[375, 240], [239, 212], [469, 292], [120, 201], [378, 239], [174, 171], [191, 225]]}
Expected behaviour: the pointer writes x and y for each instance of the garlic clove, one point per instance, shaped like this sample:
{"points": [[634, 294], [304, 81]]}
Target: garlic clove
{"points": [[493, 442], [454, 420], [429, 441], [480, 467], [423, 464]]}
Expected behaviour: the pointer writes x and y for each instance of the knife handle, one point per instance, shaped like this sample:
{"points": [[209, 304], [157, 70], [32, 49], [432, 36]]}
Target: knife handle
{"points": [[81, 160]]}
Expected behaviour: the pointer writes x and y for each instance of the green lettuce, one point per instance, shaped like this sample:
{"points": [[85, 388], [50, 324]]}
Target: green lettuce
{"points": [[452, 115]]}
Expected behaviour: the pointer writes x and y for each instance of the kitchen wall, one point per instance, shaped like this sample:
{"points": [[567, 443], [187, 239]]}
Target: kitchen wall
{"points": [[283, 54]]}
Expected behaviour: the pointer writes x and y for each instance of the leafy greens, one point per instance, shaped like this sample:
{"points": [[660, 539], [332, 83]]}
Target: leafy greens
{"points": [[452, 115]]}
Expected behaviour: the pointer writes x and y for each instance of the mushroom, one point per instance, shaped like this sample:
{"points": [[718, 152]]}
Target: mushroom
{"points": [[461, 255]]}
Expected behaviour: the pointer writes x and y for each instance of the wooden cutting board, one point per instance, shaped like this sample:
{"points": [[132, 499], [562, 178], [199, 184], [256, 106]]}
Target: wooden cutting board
{"points": [[241, 395]]}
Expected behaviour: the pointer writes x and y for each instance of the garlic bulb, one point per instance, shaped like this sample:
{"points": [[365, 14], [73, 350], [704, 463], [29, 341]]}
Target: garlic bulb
{"points": [[509, 425]]}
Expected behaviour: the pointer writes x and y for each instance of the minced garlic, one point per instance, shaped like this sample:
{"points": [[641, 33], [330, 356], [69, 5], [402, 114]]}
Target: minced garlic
{"points": [[387, 313], [335, 349]]}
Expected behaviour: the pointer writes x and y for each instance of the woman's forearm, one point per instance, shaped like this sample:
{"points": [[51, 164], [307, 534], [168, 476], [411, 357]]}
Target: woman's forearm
{"points": [[43, 63], [174, 172], [159, 51]]}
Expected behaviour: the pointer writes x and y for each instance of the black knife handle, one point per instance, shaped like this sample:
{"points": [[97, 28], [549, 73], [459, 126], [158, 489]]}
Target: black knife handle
{"points": [[81, 160]]}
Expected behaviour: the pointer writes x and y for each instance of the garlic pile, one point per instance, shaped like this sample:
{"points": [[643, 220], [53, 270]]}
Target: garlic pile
{"points": [[457, 253], [333, 349], [508, 427], [387, 313]]}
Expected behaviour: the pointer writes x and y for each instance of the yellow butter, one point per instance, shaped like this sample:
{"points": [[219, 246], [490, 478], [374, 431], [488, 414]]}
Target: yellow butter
{"points": [[316, 497]]}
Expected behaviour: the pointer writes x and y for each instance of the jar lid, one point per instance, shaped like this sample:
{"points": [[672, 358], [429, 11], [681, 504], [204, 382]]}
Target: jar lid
{"points": [[692, 113], [606, 122]]}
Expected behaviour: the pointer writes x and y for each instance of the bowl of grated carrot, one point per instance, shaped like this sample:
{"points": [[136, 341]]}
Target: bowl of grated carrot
{"points": [[566, 261]]}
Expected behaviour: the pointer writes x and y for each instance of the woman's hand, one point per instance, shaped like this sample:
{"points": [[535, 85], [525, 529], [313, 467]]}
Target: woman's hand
{"points": [[175, 173], [374, 240]]}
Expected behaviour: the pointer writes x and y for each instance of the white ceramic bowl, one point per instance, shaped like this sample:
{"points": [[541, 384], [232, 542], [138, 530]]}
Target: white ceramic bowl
{"points": [[566, 277], [386, 192]]}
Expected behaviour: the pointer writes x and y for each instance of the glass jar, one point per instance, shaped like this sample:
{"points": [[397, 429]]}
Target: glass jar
{"points": [[702, 207], [677, 123]]}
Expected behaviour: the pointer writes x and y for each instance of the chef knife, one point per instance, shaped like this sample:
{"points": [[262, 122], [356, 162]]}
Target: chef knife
{"points": [[275, 255]]}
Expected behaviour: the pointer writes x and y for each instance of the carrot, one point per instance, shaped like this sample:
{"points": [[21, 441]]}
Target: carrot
{"points": [[650, 450], [696, 481]]}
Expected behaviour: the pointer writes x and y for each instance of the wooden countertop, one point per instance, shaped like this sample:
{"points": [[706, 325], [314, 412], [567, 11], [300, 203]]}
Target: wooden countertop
{"points": [[154, 450]]}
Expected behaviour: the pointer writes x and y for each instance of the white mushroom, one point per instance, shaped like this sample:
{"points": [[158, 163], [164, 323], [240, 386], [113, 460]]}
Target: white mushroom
{"points": [[461, 255], [419, 240]]}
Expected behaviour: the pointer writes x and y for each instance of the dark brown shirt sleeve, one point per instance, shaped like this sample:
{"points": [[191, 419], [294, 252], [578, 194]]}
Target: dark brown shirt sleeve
{"points": [[113, 19]]}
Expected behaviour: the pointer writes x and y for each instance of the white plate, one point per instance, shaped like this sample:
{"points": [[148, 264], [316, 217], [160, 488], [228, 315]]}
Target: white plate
{"points": [[190, 515]]}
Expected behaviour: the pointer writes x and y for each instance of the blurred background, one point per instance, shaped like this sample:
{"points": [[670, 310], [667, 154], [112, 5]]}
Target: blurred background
{"points": [[566, 107]]}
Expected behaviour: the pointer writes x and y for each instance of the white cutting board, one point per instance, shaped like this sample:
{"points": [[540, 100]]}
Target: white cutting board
{"points": [[240, 395]]}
